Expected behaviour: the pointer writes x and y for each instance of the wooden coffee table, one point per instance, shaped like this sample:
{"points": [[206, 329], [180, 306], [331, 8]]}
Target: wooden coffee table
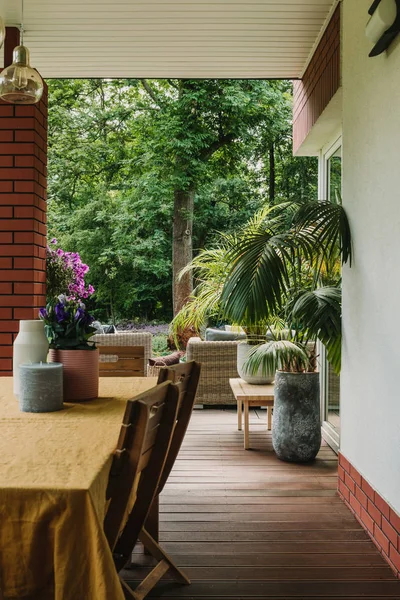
{"points": [[247, 395]]}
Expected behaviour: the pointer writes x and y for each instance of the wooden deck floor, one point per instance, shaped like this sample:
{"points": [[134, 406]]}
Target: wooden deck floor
{"points": [[244, 525]]}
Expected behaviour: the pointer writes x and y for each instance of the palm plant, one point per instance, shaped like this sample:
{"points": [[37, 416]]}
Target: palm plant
{"points": [[295, 273], [210, 269], [282, 274]]}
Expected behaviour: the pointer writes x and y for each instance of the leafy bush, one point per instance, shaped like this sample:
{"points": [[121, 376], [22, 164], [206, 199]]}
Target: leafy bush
{"points": [[160, 346]]}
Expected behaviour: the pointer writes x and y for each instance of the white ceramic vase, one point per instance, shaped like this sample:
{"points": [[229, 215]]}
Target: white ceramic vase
{"points": [[259, 378], [30, 346]]}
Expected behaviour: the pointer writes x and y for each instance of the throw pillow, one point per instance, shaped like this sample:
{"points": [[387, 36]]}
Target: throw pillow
{"points": [[166, 361], [109, 329]]}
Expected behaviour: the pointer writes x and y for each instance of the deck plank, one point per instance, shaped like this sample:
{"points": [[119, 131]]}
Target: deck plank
{"points": [[246, 526]]}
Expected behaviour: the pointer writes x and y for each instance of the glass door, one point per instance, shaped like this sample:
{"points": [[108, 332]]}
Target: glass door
{"points": [[330, 185]]}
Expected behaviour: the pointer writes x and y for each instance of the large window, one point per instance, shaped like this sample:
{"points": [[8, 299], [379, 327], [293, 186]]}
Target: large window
{"points": [[330, 183]]}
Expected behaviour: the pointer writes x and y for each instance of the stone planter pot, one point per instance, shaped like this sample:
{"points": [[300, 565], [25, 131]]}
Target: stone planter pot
{"points": [[259, 378], [296, 429], [81, 373]]}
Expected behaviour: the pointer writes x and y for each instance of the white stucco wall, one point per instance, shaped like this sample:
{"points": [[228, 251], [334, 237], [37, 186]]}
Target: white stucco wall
{"points": [[370, 383]]}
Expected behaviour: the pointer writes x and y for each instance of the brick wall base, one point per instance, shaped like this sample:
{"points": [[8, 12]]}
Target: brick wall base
{"points": [[379, 520]]}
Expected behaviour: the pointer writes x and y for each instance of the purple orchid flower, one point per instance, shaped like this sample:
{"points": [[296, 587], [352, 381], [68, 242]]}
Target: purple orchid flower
{"points": [[61, 313], [71, 262], [80, 314], [43, 314]]}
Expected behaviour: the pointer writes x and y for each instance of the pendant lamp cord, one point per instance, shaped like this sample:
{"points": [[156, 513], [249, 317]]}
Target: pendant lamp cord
{"points": [[22, 23]]}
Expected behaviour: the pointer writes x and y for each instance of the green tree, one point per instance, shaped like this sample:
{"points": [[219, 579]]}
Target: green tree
{"points": [[140, 171]]}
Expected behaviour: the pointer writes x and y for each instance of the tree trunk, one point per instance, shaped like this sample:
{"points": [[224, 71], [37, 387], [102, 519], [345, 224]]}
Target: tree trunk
{"points": [[272, 173], [182, 249]]}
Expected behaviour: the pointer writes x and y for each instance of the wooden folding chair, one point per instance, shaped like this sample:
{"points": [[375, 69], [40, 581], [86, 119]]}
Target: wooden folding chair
{"points": [[138, 462], [129, 363], [186, 377]]}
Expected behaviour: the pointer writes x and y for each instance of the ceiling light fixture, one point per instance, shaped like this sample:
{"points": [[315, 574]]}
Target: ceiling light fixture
{"points": [[19, 83]]}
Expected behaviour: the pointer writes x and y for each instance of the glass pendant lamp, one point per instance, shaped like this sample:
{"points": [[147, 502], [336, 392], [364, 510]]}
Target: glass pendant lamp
{"points": [[19, 83]]}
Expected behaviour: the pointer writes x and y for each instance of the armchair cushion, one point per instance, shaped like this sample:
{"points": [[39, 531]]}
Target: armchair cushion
{"points": [[220, 335]]}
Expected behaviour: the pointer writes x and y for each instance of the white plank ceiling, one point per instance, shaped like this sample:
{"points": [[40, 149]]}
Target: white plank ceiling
{"points": [[170, 38]]}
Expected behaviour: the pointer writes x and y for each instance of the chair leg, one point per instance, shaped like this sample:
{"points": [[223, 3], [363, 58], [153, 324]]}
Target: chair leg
{"points": [[158, 553], [128, 593], [150, 581], [152, 521]]}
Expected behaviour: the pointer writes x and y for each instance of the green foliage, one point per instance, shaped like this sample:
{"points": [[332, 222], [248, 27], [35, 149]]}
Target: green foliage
{"points": [[160, 345], [287, 272], [279, 278], [57, 277], [317, 313], [280, 354], [204, 304], [119, 149]]}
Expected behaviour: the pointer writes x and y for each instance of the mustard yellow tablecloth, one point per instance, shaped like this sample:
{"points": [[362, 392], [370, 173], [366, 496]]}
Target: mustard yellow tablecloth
{"points": [[53, 476]]}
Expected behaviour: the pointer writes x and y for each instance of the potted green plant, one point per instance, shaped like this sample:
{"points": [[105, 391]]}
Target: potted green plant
{"points": [[294, 274], [68, 329], [204, 305]]}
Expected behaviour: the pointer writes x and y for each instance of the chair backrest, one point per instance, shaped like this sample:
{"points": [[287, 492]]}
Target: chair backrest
{"points": [[124, 361], [218, 364], [138, 461], [186, 377], [125, 338]]}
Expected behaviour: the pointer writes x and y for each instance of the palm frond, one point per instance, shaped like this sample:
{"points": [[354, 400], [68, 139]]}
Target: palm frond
{"points": [[318, 312], [326, 225], [277, 355], [257, 274]]}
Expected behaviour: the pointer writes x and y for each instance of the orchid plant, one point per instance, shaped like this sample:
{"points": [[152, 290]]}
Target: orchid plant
{"points": [[66, 273], [67, 324], [66, 320]]}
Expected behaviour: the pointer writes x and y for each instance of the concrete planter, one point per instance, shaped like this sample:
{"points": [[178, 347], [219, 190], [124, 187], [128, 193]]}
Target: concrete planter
{"points": [[296, 430], [81, 373], [259, 378]]}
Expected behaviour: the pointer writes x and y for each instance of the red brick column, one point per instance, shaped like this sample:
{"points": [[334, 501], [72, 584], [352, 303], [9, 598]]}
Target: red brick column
{"points": [[23, 158]]}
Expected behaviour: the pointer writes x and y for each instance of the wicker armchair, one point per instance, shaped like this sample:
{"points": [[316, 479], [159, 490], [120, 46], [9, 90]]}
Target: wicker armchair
{"points": [[125, 338], [218, 364]]}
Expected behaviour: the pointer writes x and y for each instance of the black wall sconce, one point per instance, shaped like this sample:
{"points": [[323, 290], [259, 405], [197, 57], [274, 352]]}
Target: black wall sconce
{"points": [[383, 25]]}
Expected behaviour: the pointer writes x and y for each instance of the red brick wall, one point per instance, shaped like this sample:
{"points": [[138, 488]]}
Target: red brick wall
{"points": [[23, 158], [380, 521], [319, 84]]}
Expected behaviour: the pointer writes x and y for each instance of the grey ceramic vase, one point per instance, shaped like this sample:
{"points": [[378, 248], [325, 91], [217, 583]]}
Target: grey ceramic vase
{"points": [[296, 429]]}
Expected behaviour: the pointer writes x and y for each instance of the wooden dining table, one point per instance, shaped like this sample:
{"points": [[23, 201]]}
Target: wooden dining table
{"points": [[54, 470]]}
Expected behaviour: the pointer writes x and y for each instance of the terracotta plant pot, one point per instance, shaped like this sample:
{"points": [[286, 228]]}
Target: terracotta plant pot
{"points": [[81, 373]]}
